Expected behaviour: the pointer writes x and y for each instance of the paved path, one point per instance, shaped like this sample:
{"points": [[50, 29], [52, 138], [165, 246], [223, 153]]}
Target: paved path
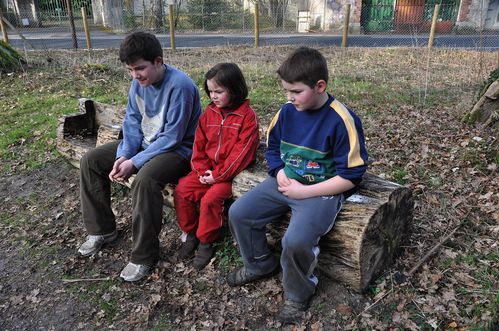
{"points": [[41, 39]]}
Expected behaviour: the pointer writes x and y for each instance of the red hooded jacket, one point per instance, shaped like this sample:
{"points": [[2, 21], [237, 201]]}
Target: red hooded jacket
{"points": [[226, 141]]}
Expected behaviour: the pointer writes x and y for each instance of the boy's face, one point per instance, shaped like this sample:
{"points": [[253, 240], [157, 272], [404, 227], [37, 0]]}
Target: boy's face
{"points": [[303, 96], [146, 72]]}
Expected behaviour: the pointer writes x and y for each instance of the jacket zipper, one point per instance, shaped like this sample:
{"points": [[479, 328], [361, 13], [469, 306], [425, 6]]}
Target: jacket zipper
{"points": [[219, 138]]}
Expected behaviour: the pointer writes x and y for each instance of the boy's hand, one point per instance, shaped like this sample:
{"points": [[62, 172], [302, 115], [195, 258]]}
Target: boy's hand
{"points": [[207, 178], [122, 170], [282, 179], [295, 190]]}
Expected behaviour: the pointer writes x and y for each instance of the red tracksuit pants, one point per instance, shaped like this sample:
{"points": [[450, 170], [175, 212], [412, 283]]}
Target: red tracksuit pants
{"points": [[188, 192]]}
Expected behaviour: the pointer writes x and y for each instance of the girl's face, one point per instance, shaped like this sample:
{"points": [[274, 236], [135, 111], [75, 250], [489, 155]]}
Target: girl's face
{"points": [[219, 95]]}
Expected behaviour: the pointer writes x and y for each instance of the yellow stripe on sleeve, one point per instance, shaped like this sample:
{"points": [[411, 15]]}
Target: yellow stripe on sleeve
{"points": [[272, 124], [354, 159]]}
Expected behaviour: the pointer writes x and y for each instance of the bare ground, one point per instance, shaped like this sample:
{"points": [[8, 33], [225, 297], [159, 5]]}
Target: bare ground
{"points": [[35, 295]]}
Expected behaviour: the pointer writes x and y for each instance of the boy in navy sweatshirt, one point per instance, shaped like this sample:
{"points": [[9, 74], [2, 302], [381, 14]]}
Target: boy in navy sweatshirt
{"points": [[316, 153]]}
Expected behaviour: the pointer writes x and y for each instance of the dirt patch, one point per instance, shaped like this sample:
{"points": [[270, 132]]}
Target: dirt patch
{"points": [[46, 285]]}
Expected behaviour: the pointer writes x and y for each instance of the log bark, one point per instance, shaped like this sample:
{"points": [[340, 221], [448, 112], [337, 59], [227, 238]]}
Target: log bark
{"points": [[367, 233]]}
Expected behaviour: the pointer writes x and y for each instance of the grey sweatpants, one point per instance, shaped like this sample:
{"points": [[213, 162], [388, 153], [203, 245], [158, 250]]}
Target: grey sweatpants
{"points": [[310, 220], [147, 197]]}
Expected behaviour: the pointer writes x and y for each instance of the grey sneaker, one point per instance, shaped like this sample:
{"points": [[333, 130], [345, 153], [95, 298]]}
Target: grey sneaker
{"points": [[134, 272], [95, 242], [291, 312]]}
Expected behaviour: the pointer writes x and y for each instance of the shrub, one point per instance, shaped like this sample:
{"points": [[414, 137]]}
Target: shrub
{"points": [[9, 57]]}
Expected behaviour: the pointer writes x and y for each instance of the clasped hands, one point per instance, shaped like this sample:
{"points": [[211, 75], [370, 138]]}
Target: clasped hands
{"points": [[290, 187], [207, 178], [123, 168]]}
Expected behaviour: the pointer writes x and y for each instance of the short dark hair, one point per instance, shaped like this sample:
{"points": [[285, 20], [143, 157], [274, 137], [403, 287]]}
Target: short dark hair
{"points": [[140, 45], [231, 77], [305, 65]]}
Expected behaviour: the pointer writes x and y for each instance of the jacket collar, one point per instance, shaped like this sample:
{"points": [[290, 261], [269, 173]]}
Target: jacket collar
{"points": [[238, 110]]}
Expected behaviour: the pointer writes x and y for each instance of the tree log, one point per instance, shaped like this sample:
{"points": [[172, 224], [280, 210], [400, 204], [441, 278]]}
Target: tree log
{"points": [[367, 233], [361, 245]]}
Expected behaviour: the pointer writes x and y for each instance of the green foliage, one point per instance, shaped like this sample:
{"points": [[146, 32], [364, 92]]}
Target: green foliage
{"points": [[400, 176], [9, 57], [227, 253], [211, 15]]}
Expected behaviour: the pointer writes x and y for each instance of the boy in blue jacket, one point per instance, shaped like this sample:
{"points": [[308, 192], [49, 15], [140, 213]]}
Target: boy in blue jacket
{"points": [[316, 153], [158, 132]]}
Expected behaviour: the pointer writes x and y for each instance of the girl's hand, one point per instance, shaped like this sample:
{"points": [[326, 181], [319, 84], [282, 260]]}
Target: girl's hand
{"points": [[207, 178]]}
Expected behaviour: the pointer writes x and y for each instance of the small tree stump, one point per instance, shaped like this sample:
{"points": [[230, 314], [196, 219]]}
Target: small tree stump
{"points": [[486, 110], [95, 124]]}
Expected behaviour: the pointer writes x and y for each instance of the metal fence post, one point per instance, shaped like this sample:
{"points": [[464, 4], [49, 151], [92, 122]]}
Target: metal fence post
{"points": [[257, 27], [85, 27], [344, 41], [433, 26], [4, 30], [172, 27], [72, 23]]}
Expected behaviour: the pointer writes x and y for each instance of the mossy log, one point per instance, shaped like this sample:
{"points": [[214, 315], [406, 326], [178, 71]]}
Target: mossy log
{"points": [[486, 110], [363, 242]]}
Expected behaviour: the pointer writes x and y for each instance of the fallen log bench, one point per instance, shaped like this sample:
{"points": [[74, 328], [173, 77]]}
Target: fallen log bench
{"points": [[363, 242]]}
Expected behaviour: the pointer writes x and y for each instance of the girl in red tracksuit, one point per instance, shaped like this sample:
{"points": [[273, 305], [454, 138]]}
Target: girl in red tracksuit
{"points": [[225, 143]]}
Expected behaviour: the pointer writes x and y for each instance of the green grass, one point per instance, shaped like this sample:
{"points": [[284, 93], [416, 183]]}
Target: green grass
{"points": [[32, 102], [400, 176], [98, 294]]}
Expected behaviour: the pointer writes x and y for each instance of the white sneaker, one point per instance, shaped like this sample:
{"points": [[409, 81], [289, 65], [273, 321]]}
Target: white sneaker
{"points": [[95, 242], [134, 272]]}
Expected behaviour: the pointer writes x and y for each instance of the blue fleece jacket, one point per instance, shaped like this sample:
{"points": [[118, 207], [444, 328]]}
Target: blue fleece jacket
{"points": [[160, 118], [317, 144]]}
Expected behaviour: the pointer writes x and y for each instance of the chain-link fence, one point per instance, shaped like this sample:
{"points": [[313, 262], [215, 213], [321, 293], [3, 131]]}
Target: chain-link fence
{"points": [[379, 23]]}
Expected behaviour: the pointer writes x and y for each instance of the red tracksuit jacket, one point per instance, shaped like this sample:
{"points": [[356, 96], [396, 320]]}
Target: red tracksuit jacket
{"points": [[225, 141]]}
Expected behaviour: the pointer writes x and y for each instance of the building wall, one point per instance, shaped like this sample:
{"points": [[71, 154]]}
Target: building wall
{"points": [[492, 15], [478, 14], [327, 15]]}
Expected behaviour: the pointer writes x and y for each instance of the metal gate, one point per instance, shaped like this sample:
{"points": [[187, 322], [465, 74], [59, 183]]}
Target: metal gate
{"points": [[377, 15]]}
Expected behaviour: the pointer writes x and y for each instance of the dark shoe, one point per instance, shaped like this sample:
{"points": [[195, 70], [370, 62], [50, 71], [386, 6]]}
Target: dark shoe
{"points": [[188, 247], [291, 312], [242, 276], [203, 256]]}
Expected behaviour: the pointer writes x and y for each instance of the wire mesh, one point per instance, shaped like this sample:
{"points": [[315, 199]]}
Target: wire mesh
{"points": [[203, 23]]}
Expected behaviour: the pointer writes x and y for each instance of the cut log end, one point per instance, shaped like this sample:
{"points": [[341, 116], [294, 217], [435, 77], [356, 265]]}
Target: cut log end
{"points": [[367, 233]]}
